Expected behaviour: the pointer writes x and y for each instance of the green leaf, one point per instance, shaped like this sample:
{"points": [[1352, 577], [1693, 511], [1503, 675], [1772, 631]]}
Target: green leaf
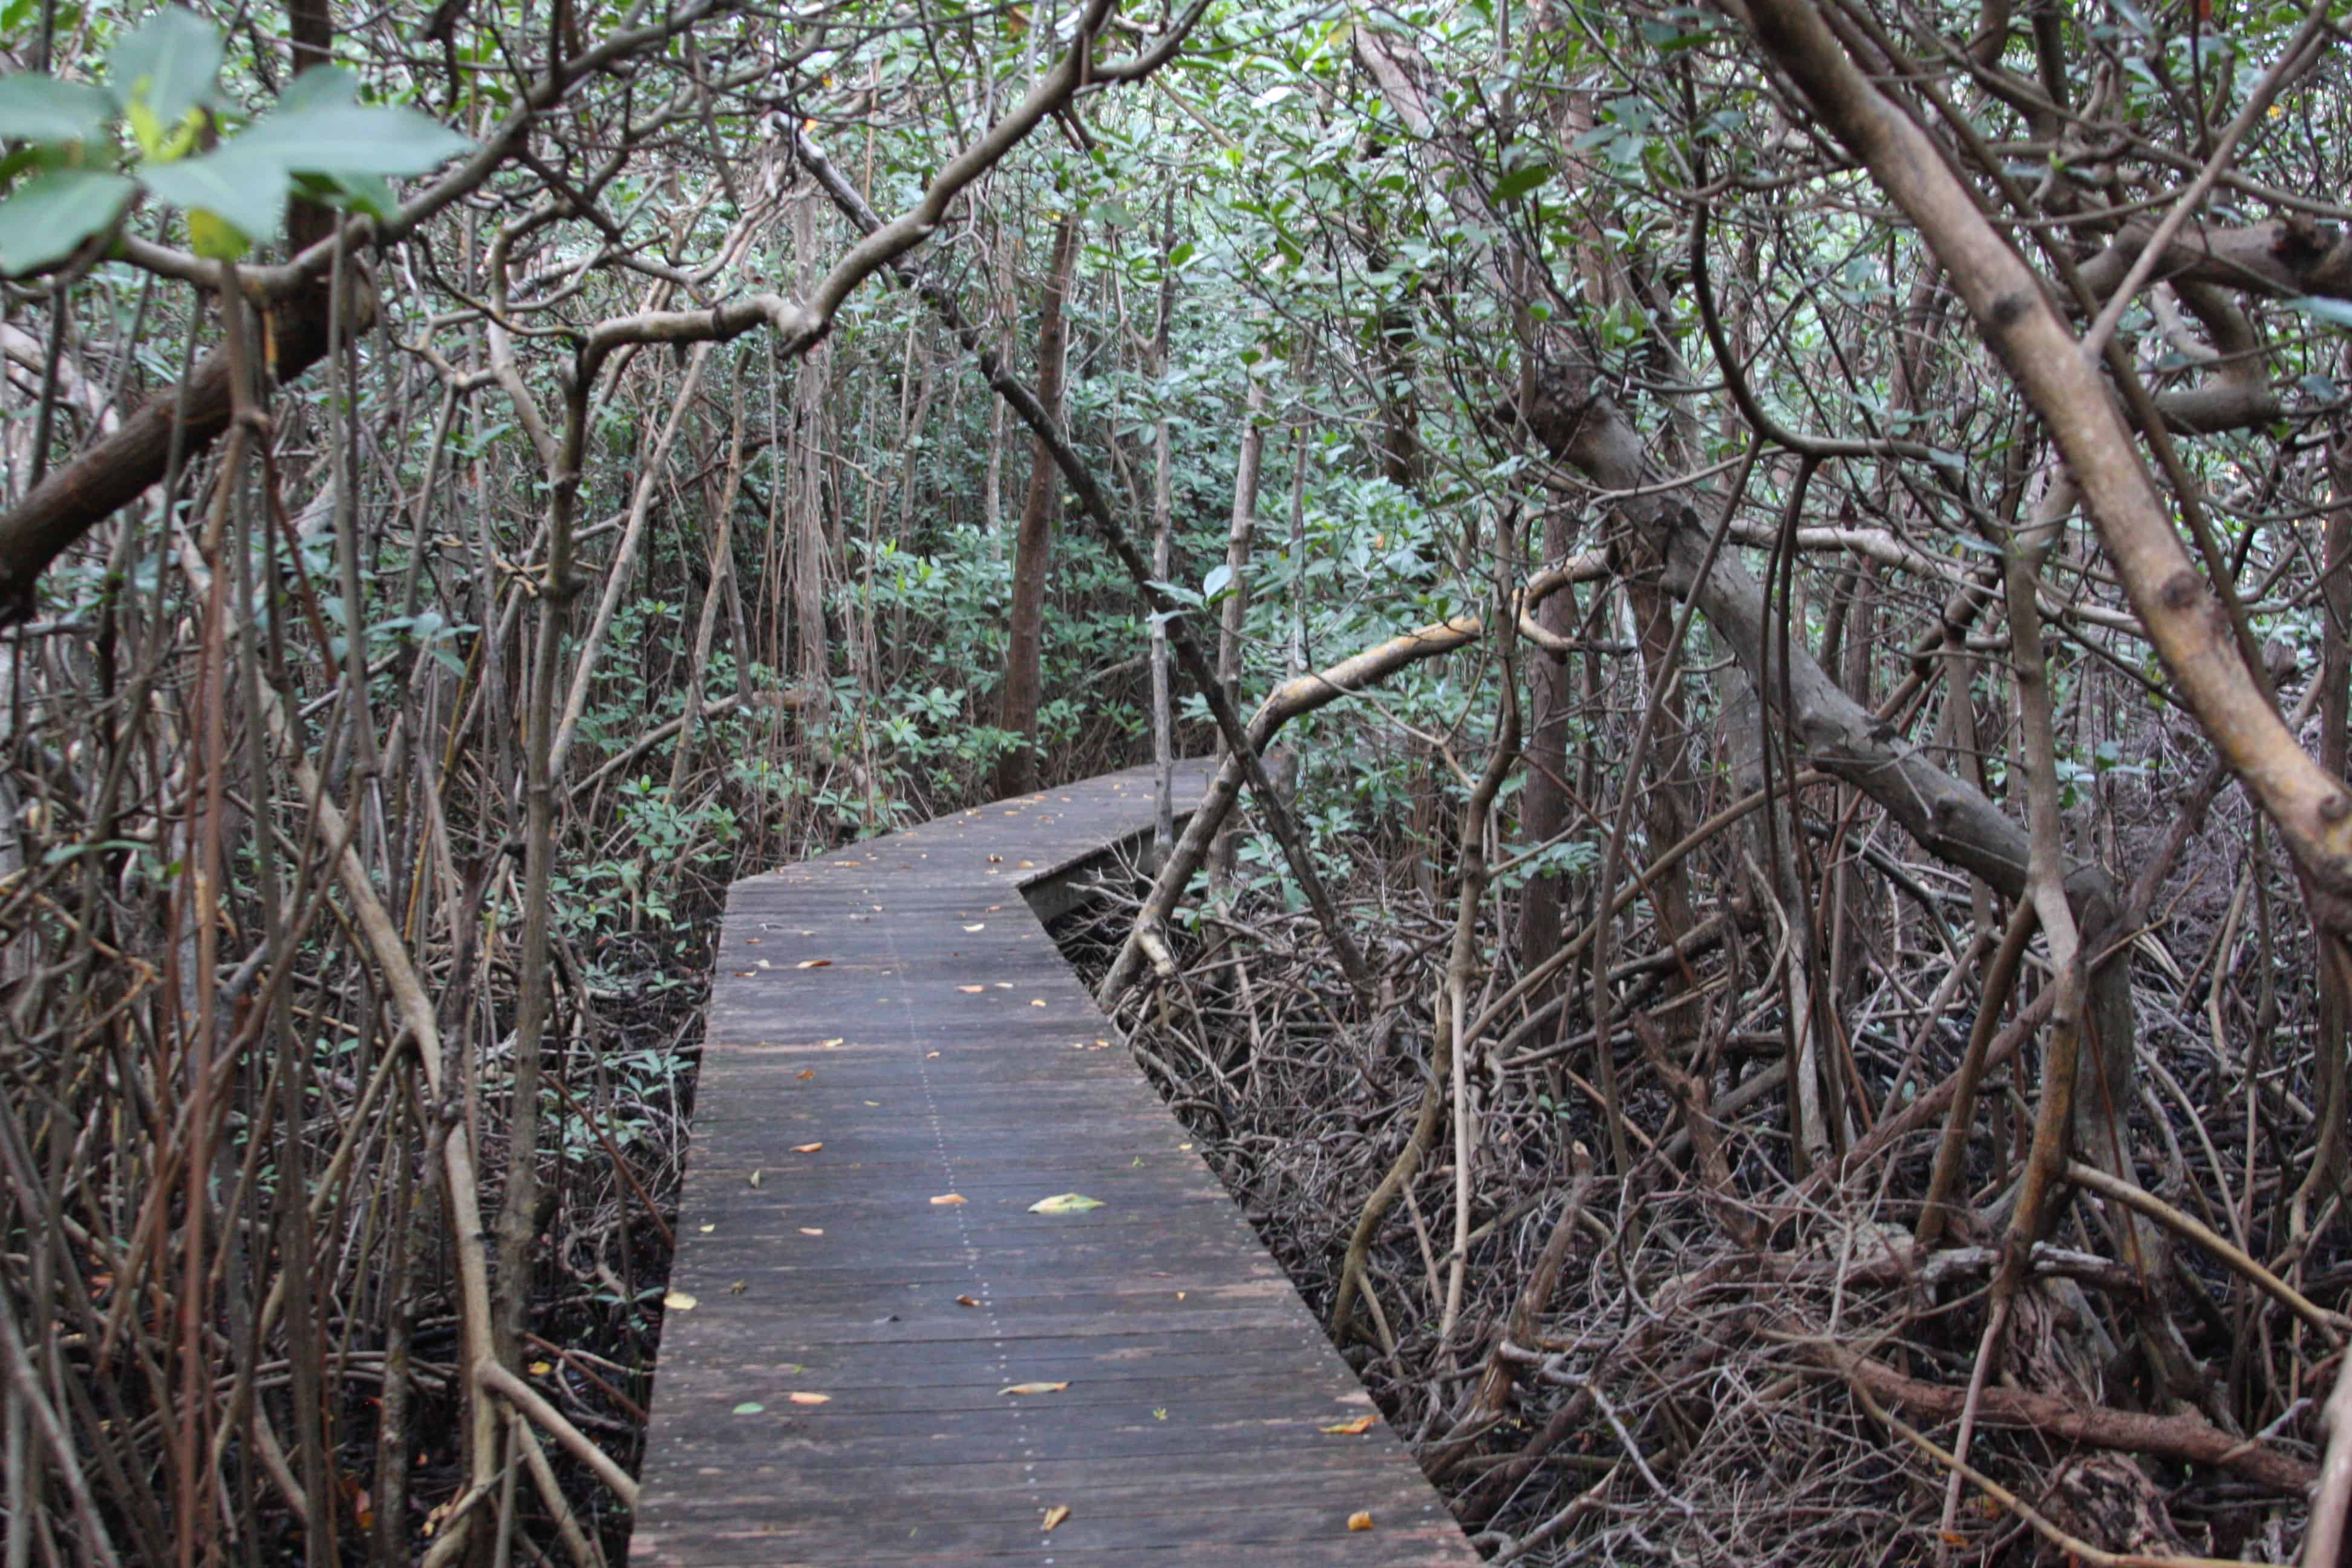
{"points": [[215, 238], [2336, 310], [322, 136], [242, 185], [169, 66], [317, 85], [749, 1407], [55, 211], [1065, 1203], [59, 854], [1214, 585], [37, 108], [367, 193], [1519, 181]]}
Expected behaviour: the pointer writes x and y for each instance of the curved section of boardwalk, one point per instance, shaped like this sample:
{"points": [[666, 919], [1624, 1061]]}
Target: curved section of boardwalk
{"points": [[891, 1028]]}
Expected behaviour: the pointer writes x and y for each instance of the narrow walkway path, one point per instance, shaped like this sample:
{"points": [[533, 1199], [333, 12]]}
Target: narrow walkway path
{"points": [[900, 1068]]}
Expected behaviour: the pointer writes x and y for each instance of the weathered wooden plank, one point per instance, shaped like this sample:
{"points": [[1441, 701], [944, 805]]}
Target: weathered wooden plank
{"points": [[1301, 1539], [1240, 1451], [1426, 1546], [890, 1024]]}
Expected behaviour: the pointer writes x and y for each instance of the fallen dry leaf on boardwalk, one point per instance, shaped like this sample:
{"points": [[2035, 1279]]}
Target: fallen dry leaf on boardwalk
{"points": [[1065, 1203]]}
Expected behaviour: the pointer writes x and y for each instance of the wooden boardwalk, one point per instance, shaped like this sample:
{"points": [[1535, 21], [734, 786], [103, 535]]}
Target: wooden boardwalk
{"points": [[900, 1067]]}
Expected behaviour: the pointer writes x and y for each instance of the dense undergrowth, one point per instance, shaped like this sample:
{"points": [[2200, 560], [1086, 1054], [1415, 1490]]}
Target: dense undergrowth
{"points": [[1649, 1366]]}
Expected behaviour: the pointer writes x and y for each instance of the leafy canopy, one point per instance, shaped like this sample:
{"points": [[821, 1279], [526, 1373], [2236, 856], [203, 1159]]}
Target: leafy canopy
{"points": [[162, 85]]}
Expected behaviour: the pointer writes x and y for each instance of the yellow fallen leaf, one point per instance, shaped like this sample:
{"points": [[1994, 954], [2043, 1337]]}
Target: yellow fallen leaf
{"points": [[981, 925], [806, 1148], [946, 1199], [1359, 1521], [541, 1368], [707, 1229], [679, 1301], [1055, 1514], [1356, 1428], [1035, 1388], [971, 989], [810, 1398], [1037, 1002], [813, 964], [737, 1289], [811, 1230], [806, 1072], [1065, 1203]]}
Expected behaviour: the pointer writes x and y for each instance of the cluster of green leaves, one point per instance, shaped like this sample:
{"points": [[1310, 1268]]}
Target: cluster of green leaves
{"points": [[633, 886], [932, 724], [73, 179]]}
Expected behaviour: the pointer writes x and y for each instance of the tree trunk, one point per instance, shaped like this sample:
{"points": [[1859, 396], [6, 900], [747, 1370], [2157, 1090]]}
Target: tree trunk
{"points": [[812, 661], [1163, 547], [1033, 545], [1240, 536], [2334, 674], [1543, 800]]}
